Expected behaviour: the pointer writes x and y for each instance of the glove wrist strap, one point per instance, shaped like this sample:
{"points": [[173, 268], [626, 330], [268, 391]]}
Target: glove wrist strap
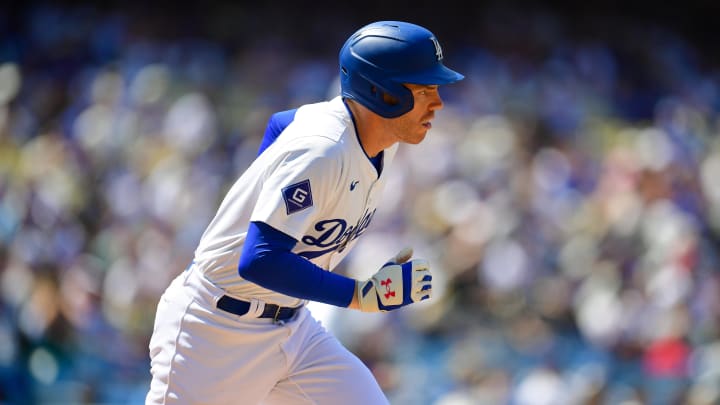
{"points": [[367, 296]]}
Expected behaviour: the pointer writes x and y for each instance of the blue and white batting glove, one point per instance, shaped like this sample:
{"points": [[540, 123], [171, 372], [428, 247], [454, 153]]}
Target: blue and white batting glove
{"points": [[398, 283]]}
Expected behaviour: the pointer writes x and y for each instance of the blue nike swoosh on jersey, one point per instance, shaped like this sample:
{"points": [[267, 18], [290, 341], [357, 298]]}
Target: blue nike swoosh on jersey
{"points": [[353, 184]]}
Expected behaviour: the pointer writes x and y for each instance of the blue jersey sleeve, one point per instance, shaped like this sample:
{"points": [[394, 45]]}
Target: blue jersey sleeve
{"points": [[268, 261], [277, 123]]}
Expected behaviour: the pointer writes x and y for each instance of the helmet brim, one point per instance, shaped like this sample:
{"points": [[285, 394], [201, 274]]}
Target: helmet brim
{"points": [[439, 74]]}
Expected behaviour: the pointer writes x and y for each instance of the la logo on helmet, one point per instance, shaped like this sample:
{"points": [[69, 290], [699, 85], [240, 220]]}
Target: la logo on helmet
{"points": [[438, 50]]}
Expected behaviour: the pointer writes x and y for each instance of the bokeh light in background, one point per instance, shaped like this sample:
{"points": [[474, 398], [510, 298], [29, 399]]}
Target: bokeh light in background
{"points": [[568, 196]]}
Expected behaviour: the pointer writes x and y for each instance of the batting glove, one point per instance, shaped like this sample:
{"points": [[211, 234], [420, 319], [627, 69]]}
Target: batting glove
{"points": [[398, 283]]}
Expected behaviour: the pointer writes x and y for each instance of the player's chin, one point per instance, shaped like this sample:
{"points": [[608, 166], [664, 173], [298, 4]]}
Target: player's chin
{"points": [[417, 138]]}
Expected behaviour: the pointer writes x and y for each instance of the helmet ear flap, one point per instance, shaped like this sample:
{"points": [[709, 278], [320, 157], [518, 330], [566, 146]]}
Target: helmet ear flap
{"points": [[389, 99], [384, 98]]}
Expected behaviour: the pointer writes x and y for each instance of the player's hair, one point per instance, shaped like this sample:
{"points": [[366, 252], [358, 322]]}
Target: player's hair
{"points": [[379, 57]]}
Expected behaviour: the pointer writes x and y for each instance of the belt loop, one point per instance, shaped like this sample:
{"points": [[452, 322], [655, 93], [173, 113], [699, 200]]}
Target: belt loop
{"points": [[277, 321], [256, 308]]}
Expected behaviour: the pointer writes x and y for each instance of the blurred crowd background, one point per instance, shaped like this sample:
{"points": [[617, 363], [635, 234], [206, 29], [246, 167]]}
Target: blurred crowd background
{"points": [[568, 196]]}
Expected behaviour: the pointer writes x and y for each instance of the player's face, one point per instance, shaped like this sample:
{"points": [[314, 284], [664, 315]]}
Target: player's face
{"points": [[412, 126]]}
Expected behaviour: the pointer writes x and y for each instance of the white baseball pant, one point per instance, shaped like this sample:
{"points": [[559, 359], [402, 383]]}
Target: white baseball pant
{"points": [[203, 355]]}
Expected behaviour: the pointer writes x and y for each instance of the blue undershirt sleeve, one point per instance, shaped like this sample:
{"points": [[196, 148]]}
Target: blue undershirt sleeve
{"points": [[268, 261], [276, 124]]}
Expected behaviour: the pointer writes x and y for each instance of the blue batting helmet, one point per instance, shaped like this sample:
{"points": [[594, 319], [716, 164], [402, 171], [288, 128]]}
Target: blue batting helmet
{"points": [[379, 57]]}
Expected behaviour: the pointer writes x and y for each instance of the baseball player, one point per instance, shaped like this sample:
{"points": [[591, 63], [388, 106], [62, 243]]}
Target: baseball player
{"points": [[233, 327]]}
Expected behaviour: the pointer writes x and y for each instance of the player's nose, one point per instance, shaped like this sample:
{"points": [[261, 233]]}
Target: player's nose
{"points": [[436, 103]]}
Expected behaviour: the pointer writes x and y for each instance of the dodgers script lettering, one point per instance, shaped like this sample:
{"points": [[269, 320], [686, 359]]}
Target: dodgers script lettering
{"points": [[334, 234]]}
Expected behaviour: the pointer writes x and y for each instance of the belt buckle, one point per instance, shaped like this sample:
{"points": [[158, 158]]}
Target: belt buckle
{"points": [[277, 321]]}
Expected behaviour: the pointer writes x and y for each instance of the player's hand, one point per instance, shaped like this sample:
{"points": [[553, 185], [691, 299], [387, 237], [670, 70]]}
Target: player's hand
{"points": [[399, 282]]}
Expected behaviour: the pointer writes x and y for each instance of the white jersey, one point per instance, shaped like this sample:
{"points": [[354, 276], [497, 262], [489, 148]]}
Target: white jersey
{"points": [[314, 183]]}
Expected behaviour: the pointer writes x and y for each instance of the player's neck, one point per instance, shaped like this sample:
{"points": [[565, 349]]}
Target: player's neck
{"points": [[370, 130]]}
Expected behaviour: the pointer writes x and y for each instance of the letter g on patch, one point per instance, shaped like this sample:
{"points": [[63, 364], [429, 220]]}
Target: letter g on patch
{"points": [[297, 196]]}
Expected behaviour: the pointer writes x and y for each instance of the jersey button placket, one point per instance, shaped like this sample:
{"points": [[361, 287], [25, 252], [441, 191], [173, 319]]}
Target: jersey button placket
{"points": [[369, 197]]}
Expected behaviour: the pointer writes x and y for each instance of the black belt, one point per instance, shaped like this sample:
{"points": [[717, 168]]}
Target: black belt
{"points": [[238, 307]]}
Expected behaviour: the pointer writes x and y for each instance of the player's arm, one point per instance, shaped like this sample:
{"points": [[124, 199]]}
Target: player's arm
{"points": [[267, 260]]}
